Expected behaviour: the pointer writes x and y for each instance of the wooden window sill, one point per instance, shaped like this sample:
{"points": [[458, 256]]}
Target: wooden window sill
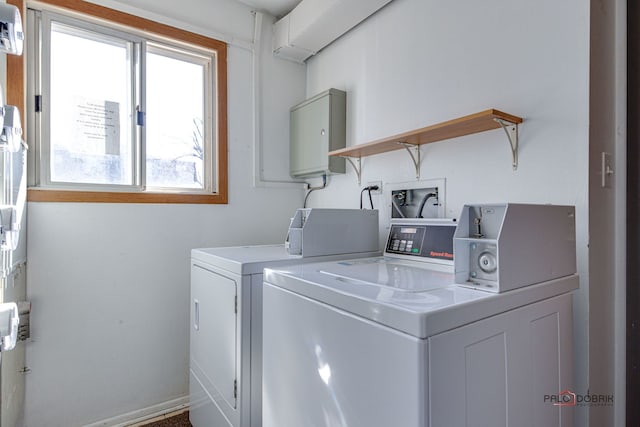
{"points": [[71, 196]]}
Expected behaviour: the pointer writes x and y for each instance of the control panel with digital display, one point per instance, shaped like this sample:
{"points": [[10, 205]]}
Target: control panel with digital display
{"points": [[421, 240]]}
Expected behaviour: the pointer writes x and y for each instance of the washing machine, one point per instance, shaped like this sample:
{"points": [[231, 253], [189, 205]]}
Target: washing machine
{"points": [[226, 308], [396, 341]]}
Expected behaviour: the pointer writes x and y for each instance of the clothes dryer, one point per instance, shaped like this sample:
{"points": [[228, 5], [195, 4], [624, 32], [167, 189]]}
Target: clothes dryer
{"points": [[226, 310]]}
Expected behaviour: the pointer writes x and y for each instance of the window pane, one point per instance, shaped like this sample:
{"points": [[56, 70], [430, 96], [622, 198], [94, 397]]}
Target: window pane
{"points": [[174, 121], [91, 127]]}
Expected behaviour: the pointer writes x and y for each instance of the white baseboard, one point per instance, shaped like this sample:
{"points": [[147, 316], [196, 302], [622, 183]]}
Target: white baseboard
{"points": [[144, 414]]}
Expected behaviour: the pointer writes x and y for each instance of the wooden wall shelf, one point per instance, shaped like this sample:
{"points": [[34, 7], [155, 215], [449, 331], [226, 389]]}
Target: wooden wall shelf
{"points": [[473, 123]]}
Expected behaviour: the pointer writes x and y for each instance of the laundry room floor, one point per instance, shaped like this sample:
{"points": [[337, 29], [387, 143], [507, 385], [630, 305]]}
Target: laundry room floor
{"points": [[180, 420]]}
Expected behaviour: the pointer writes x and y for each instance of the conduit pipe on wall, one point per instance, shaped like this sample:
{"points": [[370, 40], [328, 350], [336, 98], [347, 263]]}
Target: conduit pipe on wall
{"points": [[258, 156]]}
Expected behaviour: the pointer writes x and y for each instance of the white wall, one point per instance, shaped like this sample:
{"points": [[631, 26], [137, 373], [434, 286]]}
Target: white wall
{"points": [[419, 62], [110, 283], [226, 20]]}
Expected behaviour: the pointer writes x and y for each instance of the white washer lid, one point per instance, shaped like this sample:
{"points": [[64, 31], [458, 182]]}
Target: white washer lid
{"points": [[417, 298], [398, 274]]}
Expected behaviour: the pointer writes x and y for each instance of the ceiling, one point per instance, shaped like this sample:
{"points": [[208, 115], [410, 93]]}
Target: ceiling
{"points": [[277, 8]]}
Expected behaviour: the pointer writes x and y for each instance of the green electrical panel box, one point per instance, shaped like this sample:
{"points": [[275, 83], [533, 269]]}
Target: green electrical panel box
{"points": [[318, 126]]}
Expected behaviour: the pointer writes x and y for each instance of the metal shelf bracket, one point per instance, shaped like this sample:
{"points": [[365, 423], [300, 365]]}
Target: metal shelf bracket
{"points": [[412, 149], [511, 129], [357, 168], [414, 152]]}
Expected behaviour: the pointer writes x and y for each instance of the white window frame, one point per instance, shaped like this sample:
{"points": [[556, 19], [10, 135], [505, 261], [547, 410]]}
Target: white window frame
{"points": [[42, 164], [207, 62]]}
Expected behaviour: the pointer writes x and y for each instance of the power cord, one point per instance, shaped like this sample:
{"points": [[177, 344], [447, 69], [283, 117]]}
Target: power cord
{"points": [[312, 189], [369, 189]]}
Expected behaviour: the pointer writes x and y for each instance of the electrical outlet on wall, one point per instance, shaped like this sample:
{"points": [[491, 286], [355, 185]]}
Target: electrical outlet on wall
{"points": [[378, 183]]}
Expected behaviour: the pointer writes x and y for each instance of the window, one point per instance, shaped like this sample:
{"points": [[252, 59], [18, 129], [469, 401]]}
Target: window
{"points": [[120, 114]]}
